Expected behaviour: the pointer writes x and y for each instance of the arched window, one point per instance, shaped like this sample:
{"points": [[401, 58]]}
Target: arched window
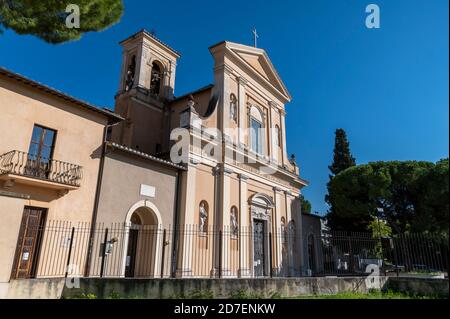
{"points": [[156, 79], [256, 130], [234, 224], [129, 80], [203, 216], [233, 107]]}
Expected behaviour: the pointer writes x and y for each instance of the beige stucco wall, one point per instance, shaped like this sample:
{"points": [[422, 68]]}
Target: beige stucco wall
{"points": [[120, 197], [122, 178], [234, 192], [202, 100], [11, 211], [78, 141], [205, 191], [145, 128]]}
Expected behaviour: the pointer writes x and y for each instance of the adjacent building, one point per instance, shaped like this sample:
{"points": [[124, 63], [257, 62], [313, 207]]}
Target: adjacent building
{"points": [[50, 151]]}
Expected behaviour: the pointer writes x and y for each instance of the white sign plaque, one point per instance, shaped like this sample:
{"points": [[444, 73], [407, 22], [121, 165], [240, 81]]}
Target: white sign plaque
{"points": [[147, 190]]}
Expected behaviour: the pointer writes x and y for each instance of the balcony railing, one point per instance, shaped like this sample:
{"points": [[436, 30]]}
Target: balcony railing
{"points": [[30, 165]]}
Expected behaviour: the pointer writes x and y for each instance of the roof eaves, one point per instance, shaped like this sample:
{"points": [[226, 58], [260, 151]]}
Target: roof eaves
{"points": [[47, 89], [144, 155], [207, 87], [155, 38]]}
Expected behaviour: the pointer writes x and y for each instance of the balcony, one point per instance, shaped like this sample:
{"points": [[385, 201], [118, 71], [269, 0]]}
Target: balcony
{"points": [[24, 168]]}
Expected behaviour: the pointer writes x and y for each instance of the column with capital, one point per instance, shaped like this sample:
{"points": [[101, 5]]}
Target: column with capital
{"points": [[171, 79], [245, 230], [187, 221], [142, 69], [283, 137], [224, 213], [242, 111], [270, 132], [279, 235], [222, 74], [273, 112]]}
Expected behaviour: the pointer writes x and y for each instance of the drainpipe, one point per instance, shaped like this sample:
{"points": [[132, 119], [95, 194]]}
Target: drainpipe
{"points": [[176, 217], [97, 198]]}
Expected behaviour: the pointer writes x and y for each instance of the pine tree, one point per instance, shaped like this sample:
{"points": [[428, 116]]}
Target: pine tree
{"points": [[46, 19], [342, 159]]}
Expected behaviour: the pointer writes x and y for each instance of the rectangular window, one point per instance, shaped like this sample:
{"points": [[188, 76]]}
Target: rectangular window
{"points": [[42, 144], [40, 152], [256, 136]]}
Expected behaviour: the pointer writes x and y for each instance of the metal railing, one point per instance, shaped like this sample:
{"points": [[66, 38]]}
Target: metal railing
{"points": [[151, 251], [350, 253], [29, 165]]}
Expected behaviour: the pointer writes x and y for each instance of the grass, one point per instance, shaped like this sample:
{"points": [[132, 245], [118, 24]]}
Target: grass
{"points": [[370, 295], [243, 294], [423, 272], [196, 294]]}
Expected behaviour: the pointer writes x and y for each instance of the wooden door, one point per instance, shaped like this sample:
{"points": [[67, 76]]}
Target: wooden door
{"points": [[29, 241]]}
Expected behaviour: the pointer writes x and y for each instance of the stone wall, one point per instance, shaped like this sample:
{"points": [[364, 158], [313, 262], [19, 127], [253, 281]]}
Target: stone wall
{"points": [[419, 286], [32, 289], [220, 288]]}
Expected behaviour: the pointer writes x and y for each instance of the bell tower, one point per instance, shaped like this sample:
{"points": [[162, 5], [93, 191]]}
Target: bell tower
{"points": [[146, 85]]}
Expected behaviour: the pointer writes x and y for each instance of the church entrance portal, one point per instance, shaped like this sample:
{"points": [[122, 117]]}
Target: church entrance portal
{"points": [[259, 247]]}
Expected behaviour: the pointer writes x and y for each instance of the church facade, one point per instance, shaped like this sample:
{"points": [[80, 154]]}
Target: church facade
{"points": [[238, 211], [199, 185]]}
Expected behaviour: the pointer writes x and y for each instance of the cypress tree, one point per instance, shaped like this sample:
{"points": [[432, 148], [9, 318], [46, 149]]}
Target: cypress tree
{"points": [[342, 159]]}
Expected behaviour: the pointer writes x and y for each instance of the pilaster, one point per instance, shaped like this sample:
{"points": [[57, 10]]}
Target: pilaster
{"points": [[245, 235]]}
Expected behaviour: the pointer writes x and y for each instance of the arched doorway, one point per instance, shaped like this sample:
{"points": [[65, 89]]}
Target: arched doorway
{"points": [[143, 241], [261, 214]]}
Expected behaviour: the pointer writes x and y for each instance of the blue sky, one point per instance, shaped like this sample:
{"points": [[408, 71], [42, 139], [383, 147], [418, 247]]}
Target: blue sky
{"points": [[387, 87]]}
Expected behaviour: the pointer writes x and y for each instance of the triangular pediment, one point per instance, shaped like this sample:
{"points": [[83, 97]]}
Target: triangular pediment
{"points": [[259, 62]]}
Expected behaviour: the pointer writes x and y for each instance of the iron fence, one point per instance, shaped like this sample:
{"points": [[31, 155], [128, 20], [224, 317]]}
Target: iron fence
{"points": [[350, 253], [150, 251]]}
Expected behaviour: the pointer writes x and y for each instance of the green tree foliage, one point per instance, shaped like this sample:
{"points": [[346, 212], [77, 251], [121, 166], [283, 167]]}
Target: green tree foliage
{"points": [[379, 229], [413, 195], [342, 159], [431, 199], [305, 205], [46, 19]]}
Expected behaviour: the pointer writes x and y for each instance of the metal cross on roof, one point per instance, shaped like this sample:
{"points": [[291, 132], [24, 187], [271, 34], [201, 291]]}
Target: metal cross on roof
{"points": [[255, 37]]}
